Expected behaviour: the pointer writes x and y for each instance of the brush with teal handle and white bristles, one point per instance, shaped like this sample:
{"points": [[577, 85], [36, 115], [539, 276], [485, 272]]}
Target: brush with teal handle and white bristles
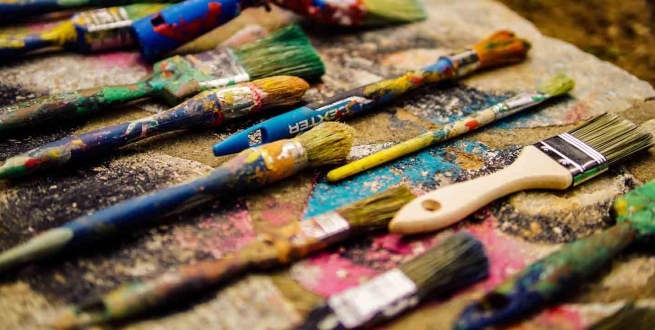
{"points": [[556, 86]]}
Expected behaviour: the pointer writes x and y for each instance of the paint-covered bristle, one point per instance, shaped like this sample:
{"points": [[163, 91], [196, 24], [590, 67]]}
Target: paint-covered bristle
{"points": [[284, 52], [558, 85], [614, 137], [375, 212], [281, 91], [327, 143], [503, 47], [395, 10], [458, 261]]}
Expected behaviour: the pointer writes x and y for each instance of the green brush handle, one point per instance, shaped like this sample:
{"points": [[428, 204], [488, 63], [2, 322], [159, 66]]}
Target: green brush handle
{"points": [[65, 106]]}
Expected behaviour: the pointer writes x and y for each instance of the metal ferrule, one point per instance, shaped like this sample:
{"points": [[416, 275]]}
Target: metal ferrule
{"points": [[579, 158], [283, 158], [465, 62], [518, 103], [220, 63], [237, 101]]}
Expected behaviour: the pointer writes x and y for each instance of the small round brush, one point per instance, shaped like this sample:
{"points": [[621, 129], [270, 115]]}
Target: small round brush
{"points": [[457, 262], [278, 247], [252, 169]]}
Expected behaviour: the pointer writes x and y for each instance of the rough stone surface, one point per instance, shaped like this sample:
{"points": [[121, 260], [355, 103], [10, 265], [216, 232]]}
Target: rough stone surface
{"points": [[516, 230]]}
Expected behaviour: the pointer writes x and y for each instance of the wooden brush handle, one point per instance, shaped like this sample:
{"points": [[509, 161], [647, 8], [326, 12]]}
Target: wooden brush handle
{"points": [[443, 207]]}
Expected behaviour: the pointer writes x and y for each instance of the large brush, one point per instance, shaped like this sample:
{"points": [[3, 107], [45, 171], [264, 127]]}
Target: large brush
{"points": [[551, 278], [210, 108], [560, 162], [357, 13], [457, 262], [499, 49], [275, 248], [285, 52], [251, 169], [86, 32], [554, 87]]}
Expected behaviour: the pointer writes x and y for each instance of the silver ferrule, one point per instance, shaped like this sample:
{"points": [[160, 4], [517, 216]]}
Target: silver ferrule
{"points": [[237, 101], [583, 161], [221, 64], [518, 103], [322, 227], [465, 62], [295, 150]]}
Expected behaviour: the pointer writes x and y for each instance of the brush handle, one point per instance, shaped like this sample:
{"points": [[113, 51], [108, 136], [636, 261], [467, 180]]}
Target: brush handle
{"points": [[68, 106], [548, 279], [27, 8], [445, 206], [339, 107], [13, 46]]}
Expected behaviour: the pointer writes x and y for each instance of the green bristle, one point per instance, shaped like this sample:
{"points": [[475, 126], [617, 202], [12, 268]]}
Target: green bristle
{"points": [[614, 137], [376, 211], [557, 85], [394, 11], [284, 52], [456, 262]]}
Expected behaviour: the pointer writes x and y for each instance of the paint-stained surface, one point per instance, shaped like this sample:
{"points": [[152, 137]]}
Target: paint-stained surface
{"points": [[516, 230]]}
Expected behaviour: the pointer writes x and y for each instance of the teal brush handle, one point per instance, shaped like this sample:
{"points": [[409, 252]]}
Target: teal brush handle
{"points": [[66, 106], [544, 281]]}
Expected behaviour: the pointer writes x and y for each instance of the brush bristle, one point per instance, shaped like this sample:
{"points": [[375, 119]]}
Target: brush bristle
{"points": [[375, 212], [394, 10], [281, 91], [456, 262], [557, 85], [327, 143], [284, 52], [614, 137], [628, 317], [503, 47]]}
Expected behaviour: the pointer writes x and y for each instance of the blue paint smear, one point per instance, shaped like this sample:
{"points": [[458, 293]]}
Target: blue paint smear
{"points": [[417, 170]]}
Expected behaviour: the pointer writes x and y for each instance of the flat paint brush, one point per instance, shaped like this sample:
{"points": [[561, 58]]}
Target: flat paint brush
{"points": [[254, 168], [284, 52], [500, 48], [551, 278], [210, 108], [556, 86], [455, 263], [18, 9], [86, 32], [357, 12], [560, 162], [274, 248]]}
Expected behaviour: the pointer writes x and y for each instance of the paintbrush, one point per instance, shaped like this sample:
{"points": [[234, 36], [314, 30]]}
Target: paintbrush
{"points": [[211, 108], [357, 13], [251, 169], [455, 263], [560, 162], [275, 248], [631, 316], [86, 32], [551, 278], [18, 9], [500, 48], [285, 52], [556, 86]]}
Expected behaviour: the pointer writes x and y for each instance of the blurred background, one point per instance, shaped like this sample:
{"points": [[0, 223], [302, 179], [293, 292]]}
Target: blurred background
{"points": [[620, 32]]}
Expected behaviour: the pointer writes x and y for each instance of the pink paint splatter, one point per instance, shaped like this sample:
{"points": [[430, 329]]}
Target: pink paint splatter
{"points": [[126, 59], [328, 273], [578, 113], [278, 213]]}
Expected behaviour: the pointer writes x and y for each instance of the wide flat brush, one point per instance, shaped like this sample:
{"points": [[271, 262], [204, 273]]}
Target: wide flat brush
{"points": [[86, 32], [254, 168], [499, 49], [357, 13], [559, 162], [455, 263], [285, 52], [210, 108], [556, 86], [277, 247], [551, 278]]}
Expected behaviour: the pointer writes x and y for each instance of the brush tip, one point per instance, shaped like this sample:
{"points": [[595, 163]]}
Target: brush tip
{"points": [[281, 91], [502, 47], [376, 211], [328, 143], [381, 11], [557, 85]]}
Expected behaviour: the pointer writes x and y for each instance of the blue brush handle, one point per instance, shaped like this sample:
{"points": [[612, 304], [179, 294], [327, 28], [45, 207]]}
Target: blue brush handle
{"points": [[24, 8], [339, 107], [13, 46]]}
